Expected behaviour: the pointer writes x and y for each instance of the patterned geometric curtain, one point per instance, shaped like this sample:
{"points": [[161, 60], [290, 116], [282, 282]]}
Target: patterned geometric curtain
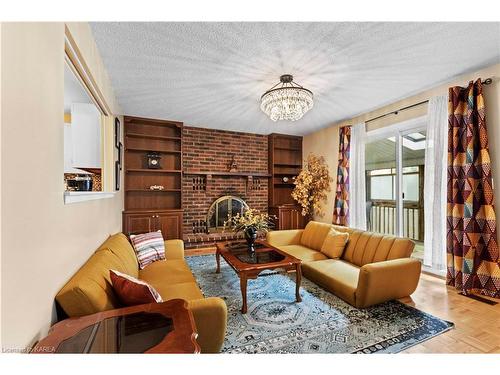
{"points": [[341, 205], [472, 247]]}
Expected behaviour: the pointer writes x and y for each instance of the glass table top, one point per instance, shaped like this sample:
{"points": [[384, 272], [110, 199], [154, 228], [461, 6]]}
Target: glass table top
{"points": [[262, 254], [133, 333]]}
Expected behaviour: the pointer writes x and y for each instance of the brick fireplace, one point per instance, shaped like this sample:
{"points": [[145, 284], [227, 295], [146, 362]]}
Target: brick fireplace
{"points": [[217, 163]]}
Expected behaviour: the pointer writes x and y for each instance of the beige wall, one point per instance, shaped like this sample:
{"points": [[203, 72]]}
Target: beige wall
{"points": [[43, 240], [325, 141], [1, 25]]}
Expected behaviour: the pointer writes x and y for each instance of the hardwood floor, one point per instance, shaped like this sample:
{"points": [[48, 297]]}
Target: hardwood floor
{"points": [[477, 324]]}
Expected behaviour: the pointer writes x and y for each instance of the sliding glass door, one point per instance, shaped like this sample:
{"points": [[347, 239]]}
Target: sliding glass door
{"points": [[395, 158], [380, 166]]}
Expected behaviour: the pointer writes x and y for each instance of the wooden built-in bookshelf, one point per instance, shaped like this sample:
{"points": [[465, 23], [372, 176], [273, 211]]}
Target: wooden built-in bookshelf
{"points": [[147, 209], [285, 163]]}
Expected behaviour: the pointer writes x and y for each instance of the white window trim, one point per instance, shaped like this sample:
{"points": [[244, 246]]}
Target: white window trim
{"points": [[83, 196], [77, 64]]}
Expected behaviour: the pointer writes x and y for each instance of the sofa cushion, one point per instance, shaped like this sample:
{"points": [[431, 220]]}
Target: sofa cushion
{"points": [[119, 245], [334, 244], [131, 291], [368, 247], [367, 243], [167, 272], [90, 290], [401, 248], [354, 235], [338, 276], [303, 253], [314, 235], [187, 291]]}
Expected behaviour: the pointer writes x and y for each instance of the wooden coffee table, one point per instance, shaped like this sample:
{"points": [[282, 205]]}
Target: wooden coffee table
{"points": [[166, 327], [249, 266]]}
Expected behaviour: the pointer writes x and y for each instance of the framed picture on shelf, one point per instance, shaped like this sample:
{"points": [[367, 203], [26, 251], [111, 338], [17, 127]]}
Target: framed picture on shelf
{"points": [[117, 133], [117, 175], [120, 155]]}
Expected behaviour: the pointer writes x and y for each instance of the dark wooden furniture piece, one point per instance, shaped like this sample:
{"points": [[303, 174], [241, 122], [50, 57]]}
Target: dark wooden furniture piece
{"points": [[166, 327], [288, 216], [153, 197], [249, 265], [285, 163]]}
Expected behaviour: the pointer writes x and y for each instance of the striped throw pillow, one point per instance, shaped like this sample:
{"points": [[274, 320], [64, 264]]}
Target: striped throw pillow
{"points": [[149, 247]]}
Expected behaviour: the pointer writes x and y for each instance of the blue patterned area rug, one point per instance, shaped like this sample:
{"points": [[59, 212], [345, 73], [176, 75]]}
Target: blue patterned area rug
{"points": [[321, 323]]}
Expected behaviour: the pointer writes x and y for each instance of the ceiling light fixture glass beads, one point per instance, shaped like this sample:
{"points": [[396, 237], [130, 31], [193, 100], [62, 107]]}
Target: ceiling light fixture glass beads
{"points": [[289, 101]]}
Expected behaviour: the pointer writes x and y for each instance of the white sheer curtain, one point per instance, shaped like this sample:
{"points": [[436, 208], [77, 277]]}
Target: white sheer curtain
{"points": [[357, 189], [435, 181]]}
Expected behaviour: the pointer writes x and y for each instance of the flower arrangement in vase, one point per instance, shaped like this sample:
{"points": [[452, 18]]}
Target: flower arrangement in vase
{"points": [[311, 186], [251, 222]]}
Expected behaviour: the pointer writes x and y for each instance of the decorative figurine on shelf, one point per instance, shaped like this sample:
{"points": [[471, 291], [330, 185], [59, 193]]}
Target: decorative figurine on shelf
{"points": [[233, 166], [154, 160], [156, 187]]}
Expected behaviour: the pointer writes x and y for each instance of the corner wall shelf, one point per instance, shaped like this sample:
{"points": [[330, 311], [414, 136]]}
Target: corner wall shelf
{"points": [[150, 150], [139, 135]]}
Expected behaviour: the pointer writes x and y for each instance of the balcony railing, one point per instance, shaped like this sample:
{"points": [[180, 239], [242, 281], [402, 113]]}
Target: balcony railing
{"points": [[381, 218]]}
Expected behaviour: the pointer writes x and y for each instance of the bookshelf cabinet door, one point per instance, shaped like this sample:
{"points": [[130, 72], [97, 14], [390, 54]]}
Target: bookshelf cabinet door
{"points": [[288, 217], [170, 224], [139, 223], [298, 221]]}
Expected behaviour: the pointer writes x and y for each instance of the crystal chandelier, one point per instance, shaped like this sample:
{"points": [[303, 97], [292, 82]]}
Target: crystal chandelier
{"points": [[290, 101]]}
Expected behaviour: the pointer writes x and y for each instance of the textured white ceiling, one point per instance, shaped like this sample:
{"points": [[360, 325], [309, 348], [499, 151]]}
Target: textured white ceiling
{"points": [[213, 74]]}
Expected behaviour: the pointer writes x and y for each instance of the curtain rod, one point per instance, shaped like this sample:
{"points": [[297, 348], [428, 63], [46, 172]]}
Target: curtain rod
{"points": [[487, 81]]}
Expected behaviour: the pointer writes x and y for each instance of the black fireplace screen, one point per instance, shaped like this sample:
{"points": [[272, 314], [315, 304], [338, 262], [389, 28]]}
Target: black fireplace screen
{"points": [[222, 209]]}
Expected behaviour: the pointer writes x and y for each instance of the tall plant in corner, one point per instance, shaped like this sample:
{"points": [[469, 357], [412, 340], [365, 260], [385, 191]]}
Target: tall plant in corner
{"points": [[311, 186]]}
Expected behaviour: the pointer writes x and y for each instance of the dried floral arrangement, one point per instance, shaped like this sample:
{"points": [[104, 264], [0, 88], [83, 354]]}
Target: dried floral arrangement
{"points": [[311, 185], [251, 218]]}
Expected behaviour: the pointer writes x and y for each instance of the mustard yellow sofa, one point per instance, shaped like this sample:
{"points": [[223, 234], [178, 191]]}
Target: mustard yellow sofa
{"points": [[373, 268], [90, 291]]}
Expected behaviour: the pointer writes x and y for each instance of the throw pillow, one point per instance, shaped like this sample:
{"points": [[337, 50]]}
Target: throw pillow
{"points": [[132, 291], [149, 247], [334, 244]]}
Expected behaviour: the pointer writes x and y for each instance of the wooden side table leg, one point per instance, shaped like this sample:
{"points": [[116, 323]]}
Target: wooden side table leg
{"points": [[217, 258], [298, 278], [243, 286]]}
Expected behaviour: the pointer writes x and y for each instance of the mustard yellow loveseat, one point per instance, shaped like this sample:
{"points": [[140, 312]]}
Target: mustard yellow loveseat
{"points": [[373, 268], [90, 291]]}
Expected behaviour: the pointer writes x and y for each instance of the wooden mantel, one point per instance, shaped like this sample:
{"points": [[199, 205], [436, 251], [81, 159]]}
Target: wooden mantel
{"points": [[204, 182], [228, 174]]}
